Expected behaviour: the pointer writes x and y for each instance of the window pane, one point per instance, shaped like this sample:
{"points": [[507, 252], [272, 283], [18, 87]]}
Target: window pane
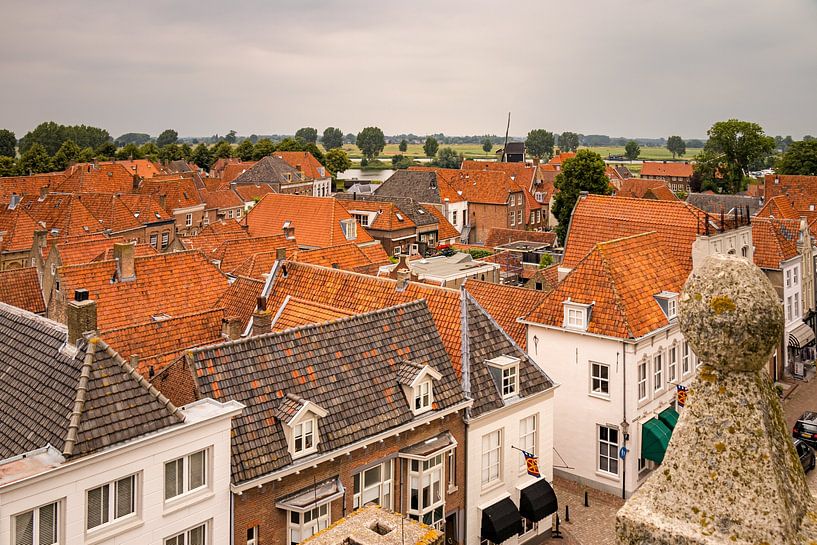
{"points": [[24, 529], [48, 524], [97, 506], [196, 536], [125, 496], [197, 470], [372, 476], [175, 540], [173, 486]]}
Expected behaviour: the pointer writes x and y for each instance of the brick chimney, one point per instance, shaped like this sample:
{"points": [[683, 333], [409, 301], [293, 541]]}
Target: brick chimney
{"points": [[81, 314], [232, 328], [280, 254], [136, 181], [40, 238], [43, 193], [124, 254], [289, 230], [261, 318]]}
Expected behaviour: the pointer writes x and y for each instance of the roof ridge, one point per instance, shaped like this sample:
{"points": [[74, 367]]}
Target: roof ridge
{"points": [[382, 279], [79, 401], [155, 322], [619, 240]]}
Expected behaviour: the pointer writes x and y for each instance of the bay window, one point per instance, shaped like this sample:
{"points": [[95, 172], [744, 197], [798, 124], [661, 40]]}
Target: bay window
{"points": [[426, 499], [308, 523]]}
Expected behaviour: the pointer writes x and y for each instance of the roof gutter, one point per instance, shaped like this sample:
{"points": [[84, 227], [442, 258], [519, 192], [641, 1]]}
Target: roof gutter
{"points": [[296, 468], [631, 340]]}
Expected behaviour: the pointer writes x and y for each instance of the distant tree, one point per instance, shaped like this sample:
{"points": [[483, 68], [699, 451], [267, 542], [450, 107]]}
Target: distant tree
{"points": [[245, 150], [584, 172], [632, 150], [307, 134], [734, 148], [539, 144], [222, 150], [337, 161], [87, 155], [8, 166], [487, 145], [137, 138], [569, 141], [254, 139], [808, 138], [403, 147], [168, 136], [263, 148], [291, 144], [799, 159], [695, 143], [49, 135], [35, 160], [202, 157], [595, 140], [676, 146], [230, 138], [371, 142], [8, 143], [349, 138], [171, 152], [400, 162], [332, 138], [447, 158], [129, 151], [187, 151], [105, 151], [66, 155], [431, 146]]}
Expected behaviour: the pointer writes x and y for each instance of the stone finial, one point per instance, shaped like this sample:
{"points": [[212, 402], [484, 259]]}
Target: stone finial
{"points": [[730, 474]]}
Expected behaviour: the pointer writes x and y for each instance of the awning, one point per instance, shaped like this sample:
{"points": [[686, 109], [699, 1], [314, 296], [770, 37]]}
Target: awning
{"points": [[669, 417], [501, 521], [655, 436], [538, 501], [801, 335], [308, 498], [430, 447]]}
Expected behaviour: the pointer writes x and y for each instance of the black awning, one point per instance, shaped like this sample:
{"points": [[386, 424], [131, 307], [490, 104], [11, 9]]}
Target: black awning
{"points": [[501, 521], [538, 501]]}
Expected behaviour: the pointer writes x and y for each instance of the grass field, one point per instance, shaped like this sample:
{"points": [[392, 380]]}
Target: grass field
{"points": [[647, 154]]}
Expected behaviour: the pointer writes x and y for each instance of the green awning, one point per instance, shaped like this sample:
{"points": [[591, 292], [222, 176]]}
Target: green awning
{"points": [[669, 417], [655, 437]]}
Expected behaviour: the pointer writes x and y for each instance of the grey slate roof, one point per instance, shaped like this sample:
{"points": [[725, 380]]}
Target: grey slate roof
{"points": [[348, 367], [418, 185], [78, 403], [487, 340], [413, 209], [269, 170], [715, 203]]}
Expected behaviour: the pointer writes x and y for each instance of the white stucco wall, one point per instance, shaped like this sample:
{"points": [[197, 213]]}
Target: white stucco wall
{"points": [[458, 207], [155, 519], [512, 475]]}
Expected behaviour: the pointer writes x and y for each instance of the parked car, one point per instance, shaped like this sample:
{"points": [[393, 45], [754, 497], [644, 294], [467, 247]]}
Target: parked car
{"points": [[805, 428], [806, 454]]}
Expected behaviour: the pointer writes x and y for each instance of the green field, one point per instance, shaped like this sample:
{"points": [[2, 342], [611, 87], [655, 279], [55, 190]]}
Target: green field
{"points": [[647, 154]]}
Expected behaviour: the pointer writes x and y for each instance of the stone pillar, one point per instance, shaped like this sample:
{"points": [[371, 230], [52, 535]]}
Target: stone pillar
{"points": [[731, 474]]}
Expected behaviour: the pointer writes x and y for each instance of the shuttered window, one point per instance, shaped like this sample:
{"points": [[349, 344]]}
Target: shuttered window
{"points": [[185, 474], [111, 501], [193, 536], [38, 526]]}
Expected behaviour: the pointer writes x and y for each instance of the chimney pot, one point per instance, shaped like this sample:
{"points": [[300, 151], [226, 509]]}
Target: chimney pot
{"points": [[80, 295]]}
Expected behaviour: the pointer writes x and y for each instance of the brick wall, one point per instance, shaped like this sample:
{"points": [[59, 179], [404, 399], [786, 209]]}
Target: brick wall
{"points": [[256, 507], [176, 383]]}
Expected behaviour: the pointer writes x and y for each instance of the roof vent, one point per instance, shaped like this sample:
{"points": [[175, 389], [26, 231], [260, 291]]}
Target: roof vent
{"points": [[80, 295]]}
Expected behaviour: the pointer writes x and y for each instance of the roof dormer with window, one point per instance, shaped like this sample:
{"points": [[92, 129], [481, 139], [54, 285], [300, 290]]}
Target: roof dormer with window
{"points": [[349, 228], [577, 315], [668, 300], [417, 382], [301, 424], [505, 372]]}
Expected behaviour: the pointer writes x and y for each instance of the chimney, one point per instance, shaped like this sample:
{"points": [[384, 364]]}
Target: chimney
{"points": [[136, 181], [233, 185], [124, 254], [280, 254], [40, 238], [289, 230], [162, 201], [81, 313], [261, 318], [43, 193], [232, 328]]}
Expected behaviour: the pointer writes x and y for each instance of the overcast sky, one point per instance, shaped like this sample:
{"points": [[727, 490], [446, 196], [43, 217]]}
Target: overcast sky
{"points": [[646, 68]]}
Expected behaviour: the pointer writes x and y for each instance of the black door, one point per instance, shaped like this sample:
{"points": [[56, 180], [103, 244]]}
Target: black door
{"points": [[451, 537]]}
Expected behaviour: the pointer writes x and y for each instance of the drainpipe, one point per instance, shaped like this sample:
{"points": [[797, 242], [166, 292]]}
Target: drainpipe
{"points": [[232, 518], [624, 411]]}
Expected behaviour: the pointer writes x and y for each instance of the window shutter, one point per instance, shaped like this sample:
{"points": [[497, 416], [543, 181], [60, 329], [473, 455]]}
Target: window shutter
{"points": [[197, 469], [124, 496], [24, 529], [48, 524], [95, 507]]}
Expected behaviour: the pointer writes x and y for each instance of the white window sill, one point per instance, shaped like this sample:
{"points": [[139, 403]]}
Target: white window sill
{"points": [[608, 476], [493, 485], [176, 504], [111, 529], [453, 488], [604, 397]]}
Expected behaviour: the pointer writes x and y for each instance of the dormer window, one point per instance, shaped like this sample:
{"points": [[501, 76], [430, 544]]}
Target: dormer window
{"points": [[302, 430], [304, 437], [576, 315], [668, 300], [505, 372], [349, 228], [418, 385], [422, 397]]}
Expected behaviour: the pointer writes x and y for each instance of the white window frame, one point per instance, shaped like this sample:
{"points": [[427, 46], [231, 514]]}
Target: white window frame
{"points": [[607, 450], [186, 474], [530, 529], [527, 439], [658, 371], [796, 305], [672, 364], [320, 518], [510, 381], [423, 397], [110, 506], [206, 219], [451, 469], [642, 379], [188, 219], [788, 278], [165, 239], [186, 538], [491, 458], [672, 308], [519, 217], [603, 389], [154, 240], [575, 318], [384, 487], [686, 360], [794, 275], [307, 431], [513, 218], [35, 523], [430, 474], [252, 535], [789, 308]]}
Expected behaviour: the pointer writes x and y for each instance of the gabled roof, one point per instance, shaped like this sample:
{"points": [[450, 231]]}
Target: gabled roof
{"points": [[479, 186], [21, 288], [521, 173], [407, 206], [169, 284], [497, 236], [354, 381], [221, 199], [232, 253], [270, 169], [296, 312], [256, 266], [240, 298], [775, 241], [714, 203], [445, 230], [177, 191], [28, 185], [561, 157], [252, 192], [778, 207], [63, 212], [213, 235], [375, 252], [80, 403], [598, 218], [309, 165], [619, 279], [422, 186], [388, 216], [347, 256], [505, 304], [123, 212], [666, 168], [18, 228], [159, 343], [99, 178], [232, 171], [140, 167], [84, 251], [646, 188], [316, 219]]}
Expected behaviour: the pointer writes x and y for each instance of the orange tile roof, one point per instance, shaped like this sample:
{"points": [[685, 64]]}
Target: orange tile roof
{"points": [[599, 218], [349, 257], [100, 178], [18, 229], [141, 249], [295, 312], [159, 343], [240, 298], [234, 170], [252, 192], [505, 304], [375, 252], [256, 266], [178, 190], [232, 253], [389, 216], [21, 288], [123, 212], [310, 166], [211, 236], [316, 219], [445, 230], [28, 185], [671, 168], [561, 158], [498, 236], [778, 207], [620, 279], [84, 251], [221, 199], [480, 186], [638, 188], [65, 213], [775, 241], [170, 284], [521, 173], [140, 167]]}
